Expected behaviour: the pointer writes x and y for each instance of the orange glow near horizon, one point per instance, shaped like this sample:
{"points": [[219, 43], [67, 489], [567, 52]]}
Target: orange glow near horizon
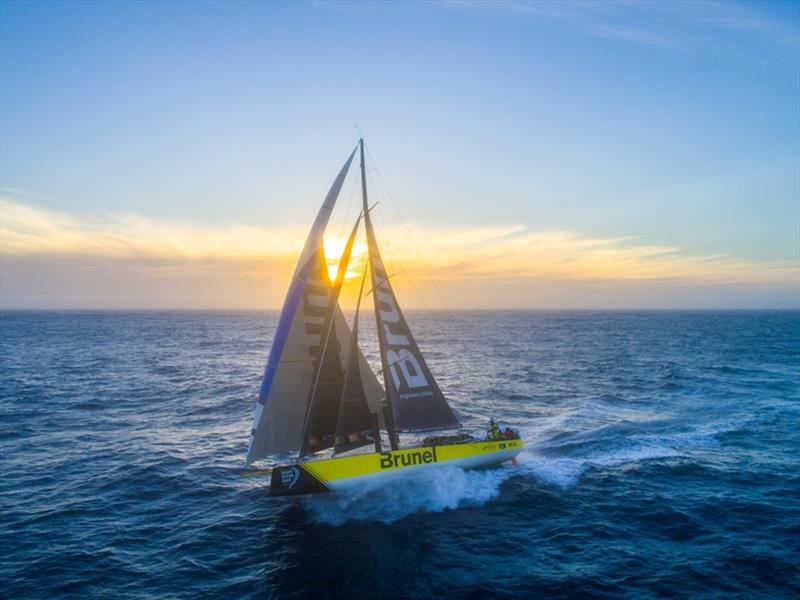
{"points": [[49, 254]]}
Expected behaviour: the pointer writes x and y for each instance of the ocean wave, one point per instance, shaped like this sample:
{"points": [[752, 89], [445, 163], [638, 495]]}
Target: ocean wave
{"points": [[435, 490], [647, 461]]}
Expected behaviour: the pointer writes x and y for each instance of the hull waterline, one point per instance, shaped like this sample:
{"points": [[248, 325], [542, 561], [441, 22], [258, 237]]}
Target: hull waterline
{"points": [[341, 473]]}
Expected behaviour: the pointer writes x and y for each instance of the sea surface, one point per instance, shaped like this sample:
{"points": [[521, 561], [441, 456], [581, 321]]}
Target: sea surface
{"points": [[662, 460]]}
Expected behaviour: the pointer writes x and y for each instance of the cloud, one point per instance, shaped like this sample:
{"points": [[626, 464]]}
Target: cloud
{"points": [[129, 258], [676, 25], [26, 229], [518, 252]]}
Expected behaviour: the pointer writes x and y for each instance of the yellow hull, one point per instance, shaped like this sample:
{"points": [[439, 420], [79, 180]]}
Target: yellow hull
{"points": [[339, 473]]}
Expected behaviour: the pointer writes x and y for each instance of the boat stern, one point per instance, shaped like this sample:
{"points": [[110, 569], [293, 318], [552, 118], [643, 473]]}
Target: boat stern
{"points": [[294, 480]]}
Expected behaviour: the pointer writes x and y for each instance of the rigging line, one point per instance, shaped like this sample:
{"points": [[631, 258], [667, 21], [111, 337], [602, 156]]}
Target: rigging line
{"points": [[381, 282], [349, 205], [402, 220], [492, 401], [397, 266], [401, 269]]}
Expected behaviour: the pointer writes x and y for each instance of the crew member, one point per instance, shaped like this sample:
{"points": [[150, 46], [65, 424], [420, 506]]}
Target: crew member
{"points": [[494, 431]]}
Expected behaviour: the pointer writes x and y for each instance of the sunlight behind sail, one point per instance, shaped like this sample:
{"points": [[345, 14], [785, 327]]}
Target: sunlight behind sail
{"points": [[334, 247]]}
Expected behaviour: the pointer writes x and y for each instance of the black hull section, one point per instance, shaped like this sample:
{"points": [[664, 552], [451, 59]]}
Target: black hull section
{"points": [[295, 480]]}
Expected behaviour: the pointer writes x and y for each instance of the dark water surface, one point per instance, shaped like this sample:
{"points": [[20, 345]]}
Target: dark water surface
{"points": [[663, 460]]}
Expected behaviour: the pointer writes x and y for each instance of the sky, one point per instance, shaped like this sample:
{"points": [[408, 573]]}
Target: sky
{"points": [[523, 155]]}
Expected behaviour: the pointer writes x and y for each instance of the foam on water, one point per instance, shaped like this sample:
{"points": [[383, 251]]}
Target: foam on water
{"points": [[430, 490], [448, 487]]}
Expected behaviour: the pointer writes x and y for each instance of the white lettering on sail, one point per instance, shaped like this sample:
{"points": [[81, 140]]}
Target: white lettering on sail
{"points": [[257, 418], [318, 300], [394, 339], [392, 315], [404, 359]]}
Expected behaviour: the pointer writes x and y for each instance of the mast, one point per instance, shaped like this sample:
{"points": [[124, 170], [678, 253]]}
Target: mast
{"points": [[388, 413]]}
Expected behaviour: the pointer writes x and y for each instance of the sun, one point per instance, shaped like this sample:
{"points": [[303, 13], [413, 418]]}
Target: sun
{"points": [[334, 247]]}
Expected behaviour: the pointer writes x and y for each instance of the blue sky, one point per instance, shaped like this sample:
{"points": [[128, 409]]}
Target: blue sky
{"points": [[644, 125]]}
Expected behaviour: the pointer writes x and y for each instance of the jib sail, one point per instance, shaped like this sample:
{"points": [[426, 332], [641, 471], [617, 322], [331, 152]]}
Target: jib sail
{"points": [[326, 391], [356, 417]]}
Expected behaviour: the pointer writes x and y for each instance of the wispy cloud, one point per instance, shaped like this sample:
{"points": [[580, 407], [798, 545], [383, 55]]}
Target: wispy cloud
{"points": [[518, 252], [450, 253], [25, 229], [684, 25]]}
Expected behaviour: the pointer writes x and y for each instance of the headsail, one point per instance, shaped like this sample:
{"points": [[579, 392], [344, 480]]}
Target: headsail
{"points": [[416, 400], [323, 405], [355, 415], [281, 406]]}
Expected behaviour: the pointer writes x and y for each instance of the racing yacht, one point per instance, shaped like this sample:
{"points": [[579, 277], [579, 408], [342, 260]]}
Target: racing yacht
{"points": [[322, 416]]}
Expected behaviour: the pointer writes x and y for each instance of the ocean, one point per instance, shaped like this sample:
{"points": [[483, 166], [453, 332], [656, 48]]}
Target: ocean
{"points": [[662, 460]]}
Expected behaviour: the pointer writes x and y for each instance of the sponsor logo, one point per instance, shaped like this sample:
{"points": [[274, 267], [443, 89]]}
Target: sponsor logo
{"points": [[289, 477], [404, 366], [408, 459]]}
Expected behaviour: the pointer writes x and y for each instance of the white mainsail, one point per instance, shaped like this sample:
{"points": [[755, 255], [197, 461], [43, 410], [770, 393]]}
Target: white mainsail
{"points": [[285, 388]]}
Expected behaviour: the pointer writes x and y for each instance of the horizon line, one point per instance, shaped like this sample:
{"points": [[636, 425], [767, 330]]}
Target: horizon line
{"points": [[424, 310]]}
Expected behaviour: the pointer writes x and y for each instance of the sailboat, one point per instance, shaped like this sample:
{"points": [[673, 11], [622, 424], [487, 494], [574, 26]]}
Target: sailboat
{"points": [[321, 406]]}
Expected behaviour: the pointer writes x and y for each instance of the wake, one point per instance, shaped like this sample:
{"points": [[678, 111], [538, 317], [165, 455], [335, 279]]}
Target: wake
{"points": [[449, 487], [434, 490]]}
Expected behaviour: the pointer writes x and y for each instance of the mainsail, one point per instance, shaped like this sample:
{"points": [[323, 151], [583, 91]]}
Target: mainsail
{"points": [[281, 406], [416, 400]]}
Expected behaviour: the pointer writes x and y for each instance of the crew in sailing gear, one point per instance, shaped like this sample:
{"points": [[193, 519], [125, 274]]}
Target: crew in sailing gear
{"points": [[509, 434], [494, 431]]}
